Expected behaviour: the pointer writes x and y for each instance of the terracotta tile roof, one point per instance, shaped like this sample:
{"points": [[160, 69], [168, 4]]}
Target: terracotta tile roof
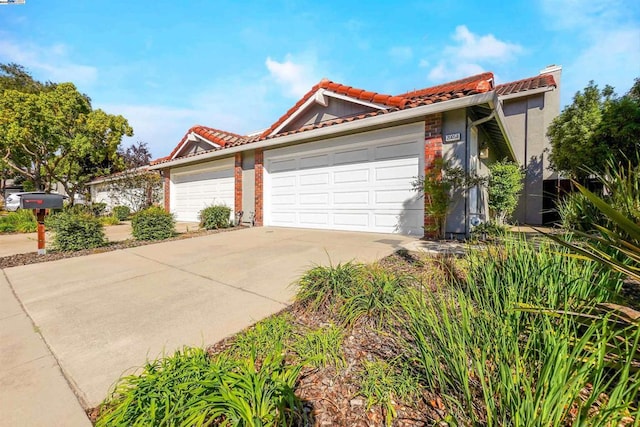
{"points": [[469, 86], [377, 98], [542, 80], [216, 136]]}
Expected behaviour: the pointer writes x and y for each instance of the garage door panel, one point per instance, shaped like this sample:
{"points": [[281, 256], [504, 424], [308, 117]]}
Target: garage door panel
{"points": [[351, 156], [362, 188], [316, 161], [401, 172], [353, 176], [394, 151], [348, 198], [352, 219], [314, 219], [308, 179], [284, 199], [321, 199]]}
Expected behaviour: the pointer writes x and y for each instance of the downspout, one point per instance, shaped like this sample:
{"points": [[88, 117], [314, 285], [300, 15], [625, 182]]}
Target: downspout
{"points": [[467, 162]]}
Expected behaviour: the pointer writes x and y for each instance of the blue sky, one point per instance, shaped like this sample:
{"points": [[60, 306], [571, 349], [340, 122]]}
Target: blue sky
{"points": [[238, 66]]}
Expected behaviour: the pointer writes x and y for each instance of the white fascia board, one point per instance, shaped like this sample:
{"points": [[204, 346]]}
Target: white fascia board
{"points": [[193, 137], [356, 101], [497, 107], [110, 178], [526, 93], [303, 107], [356, 125]]}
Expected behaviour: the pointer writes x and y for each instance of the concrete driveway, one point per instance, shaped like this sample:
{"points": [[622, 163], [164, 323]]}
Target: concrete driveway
{"points": [[103, 315]]}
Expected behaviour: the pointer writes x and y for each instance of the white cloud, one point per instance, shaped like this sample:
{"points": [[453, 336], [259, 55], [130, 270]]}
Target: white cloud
{"points": [[295, 77], [445, 71], [48, 62], [401, 53], [602, 38], [470, 55], [477, 48]]}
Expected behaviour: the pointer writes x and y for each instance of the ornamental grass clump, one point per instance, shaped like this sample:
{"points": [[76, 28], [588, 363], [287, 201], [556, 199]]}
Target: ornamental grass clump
{"points": [[495, 361], [192, 388], [153, 223], [20, 221]]}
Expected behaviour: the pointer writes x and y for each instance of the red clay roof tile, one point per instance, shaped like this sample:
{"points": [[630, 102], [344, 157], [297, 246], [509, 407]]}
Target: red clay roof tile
{"points": [[480, 83], [530, 83]]}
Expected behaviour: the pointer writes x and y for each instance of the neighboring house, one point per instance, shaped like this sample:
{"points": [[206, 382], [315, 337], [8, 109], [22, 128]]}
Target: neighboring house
{"points": [[529, 106], [345, 159], [133, 188]]}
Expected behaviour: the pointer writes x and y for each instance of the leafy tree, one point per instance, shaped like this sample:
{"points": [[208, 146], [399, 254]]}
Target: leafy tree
{"points": [[596, 126], [136, 155], [14, 76], [49, 132], [135, 186], [505, 184]]}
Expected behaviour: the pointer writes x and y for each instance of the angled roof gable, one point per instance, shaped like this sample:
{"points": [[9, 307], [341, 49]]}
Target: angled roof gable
{"points": [[217, 138], [379, 104], [327, 87]]}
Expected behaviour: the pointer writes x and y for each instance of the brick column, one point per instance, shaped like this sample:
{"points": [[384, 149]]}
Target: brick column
{"points": [[166, 173], [432, 151], [237, 178], [259, 186]]}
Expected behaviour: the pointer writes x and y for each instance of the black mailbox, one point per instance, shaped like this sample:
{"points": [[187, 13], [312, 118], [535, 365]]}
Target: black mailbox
{"points": [[39, 200]]}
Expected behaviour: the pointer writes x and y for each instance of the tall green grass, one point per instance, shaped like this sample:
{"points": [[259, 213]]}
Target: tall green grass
{"points": [[20, 221], [192, 389], [496, 364]]}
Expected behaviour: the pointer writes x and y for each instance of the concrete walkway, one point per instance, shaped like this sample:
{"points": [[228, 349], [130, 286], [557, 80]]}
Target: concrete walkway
{"points": [[22, 243], [33, 390], [103, 315]]}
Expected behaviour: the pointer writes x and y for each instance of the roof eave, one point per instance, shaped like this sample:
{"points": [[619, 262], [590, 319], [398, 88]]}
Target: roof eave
{"points": [[524, 93], [356, 125], [501, 120]]}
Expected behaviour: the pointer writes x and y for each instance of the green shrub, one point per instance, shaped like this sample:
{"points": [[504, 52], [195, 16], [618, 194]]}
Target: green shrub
{"points": [[121, 212], [153, 223], [214, 217], [78, 209], [578, 213], [504, 186], [98, 209], [489, 229], [20, 221], [74, 232], [109, 220]]}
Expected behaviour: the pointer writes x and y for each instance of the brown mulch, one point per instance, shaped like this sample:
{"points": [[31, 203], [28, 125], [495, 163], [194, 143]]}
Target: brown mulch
{"points": [[52, 255], [331, 395]]}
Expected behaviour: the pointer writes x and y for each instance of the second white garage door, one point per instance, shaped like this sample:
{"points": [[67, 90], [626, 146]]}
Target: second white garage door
{"points": [[358, 183], [196, 187]]}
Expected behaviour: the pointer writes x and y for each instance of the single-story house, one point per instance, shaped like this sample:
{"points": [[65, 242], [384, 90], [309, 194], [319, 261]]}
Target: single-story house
{"points": [[134, 188], [344, 158]]}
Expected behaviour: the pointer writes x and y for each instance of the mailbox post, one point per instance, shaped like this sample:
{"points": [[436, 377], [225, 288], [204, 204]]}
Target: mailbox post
{"points": [[41, 203]]}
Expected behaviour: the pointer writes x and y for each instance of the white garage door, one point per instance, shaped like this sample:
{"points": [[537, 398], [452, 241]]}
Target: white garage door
{"points": [[196, 187], [347, 184]]}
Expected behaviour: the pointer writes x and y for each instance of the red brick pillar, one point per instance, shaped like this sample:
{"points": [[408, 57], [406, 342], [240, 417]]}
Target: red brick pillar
{"points": [[259, 186], [432, 151], [237, 178], [166, 173]]}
